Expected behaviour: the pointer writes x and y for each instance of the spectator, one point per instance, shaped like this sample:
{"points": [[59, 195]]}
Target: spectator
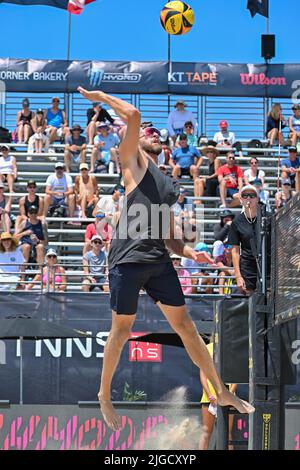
{"points": [[191, 137], [5, 207], [221, 230], [111, 205], [294, 124], [166, 152], [223, 259], [53, 276], [240, 236], [183, 159], [208, 185], [94, 115], [32, 199], [183, 204], [57, 124], [105, 151], [8, 168], [24, 118], [263, 195], [39, 140], [75, 148], [94, 265], [178, 118], [99, 227], [33, 236], [11, 254], [224, 138], [197, 269], [86, 191], [183, 275], [60, 191], [230, 178], [254, 172], [290, 168], [275, 123], [286, 193]]}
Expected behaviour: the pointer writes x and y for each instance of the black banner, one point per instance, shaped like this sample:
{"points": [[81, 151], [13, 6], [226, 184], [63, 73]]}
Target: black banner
{"points": [[60, 76], [67, 371]]}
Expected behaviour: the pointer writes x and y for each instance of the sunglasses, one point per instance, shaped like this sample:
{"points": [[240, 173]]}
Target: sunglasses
{"points": [[253, 163], [32, 212], [55, 101], [149, 131], [51, 256], [188, 127], [84, 169], [97, 242], [248, 196], [31, 187], [231, 158]]}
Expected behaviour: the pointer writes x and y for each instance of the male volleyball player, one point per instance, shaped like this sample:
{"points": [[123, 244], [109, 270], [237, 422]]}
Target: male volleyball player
{"points": [[139, 258]]}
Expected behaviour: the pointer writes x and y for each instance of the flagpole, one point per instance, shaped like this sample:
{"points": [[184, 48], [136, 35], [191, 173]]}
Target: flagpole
{"points": [[69, 36], [169, 69]]}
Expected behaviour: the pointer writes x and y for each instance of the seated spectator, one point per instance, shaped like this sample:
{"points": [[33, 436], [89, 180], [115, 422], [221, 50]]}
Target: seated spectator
{"points": [[8, 168], [99, 227], [39, 140], [286, 193], [53, 276], [224, 138], [254, 172], [57, 124], [202, 279], [11, 254], [191, 265], [5, 208], [59, 191], [275, 124], [263, 195], [290, 168], [221, 230], [94, 265], [33, 236], [223, 259], [86, 191], [208, 185], [183, 275], [230, 178], [185, 160], [192, 139], [178, 118], [105, 151], [95, 115], [75, 148], [32, 199], [111, 205], [294, 124], [182, 204], [24, 118]]}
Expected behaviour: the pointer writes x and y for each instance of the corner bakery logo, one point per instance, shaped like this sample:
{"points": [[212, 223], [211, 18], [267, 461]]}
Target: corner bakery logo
{"points": [[261, 79]]}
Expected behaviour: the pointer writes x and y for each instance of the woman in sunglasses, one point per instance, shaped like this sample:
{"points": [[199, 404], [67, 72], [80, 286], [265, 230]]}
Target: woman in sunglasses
{"points": [[53, 276], [294, 124], [242, 230], [254, 172]]}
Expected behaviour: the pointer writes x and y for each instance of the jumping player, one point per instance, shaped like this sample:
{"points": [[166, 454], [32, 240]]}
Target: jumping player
{"points": [[139, 258]]}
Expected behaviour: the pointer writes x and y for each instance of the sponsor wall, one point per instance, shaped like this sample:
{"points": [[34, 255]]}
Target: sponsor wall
{"points": [[220, 79]]}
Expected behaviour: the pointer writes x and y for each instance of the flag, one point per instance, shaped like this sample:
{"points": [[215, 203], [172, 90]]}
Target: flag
{"points": [[258, 6], [73, 6]]}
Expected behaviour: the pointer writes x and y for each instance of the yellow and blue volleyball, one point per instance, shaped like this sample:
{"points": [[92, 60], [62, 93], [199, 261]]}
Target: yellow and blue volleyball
{"points": [[177, 18]]}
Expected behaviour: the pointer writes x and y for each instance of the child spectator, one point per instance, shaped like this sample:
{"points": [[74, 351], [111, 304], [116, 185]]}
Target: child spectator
{"points": [[39, 140]]}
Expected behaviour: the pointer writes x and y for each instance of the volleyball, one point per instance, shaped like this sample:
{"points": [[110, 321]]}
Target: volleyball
{"points": [[177, 18]]}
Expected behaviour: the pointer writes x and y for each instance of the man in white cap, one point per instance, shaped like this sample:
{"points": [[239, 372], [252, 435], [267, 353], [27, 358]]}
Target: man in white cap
{"points": [[178, 118], [59, 190]]}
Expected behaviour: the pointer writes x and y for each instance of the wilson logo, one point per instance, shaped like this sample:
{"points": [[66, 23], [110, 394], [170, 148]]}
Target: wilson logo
{"points": [[261, 79]]}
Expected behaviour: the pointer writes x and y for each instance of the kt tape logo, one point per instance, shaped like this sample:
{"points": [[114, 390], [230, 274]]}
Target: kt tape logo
{"points": [[98, 76]]}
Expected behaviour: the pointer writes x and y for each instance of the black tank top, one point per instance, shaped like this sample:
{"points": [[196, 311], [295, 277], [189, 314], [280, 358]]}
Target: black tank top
{"points": [[37, 229], [26, 119], [27, 203], [211, 169], [144, 220]]}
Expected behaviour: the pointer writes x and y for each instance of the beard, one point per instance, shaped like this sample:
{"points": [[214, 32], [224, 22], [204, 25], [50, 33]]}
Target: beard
{"points": [[154, 149]]}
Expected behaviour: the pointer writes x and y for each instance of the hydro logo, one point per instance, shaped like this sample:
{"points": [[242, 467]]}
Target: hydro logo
{"points": [[98, 76]]}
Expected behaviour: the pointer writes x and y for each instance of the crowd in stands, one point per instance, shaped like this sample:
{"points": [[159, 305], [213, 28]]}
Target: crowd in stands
{"points": [[185, 156]]}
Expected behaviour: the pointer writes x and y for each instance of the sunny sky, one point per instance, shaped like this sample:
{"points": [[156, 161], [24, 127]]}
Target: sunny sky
{"points": [[130, 30]]}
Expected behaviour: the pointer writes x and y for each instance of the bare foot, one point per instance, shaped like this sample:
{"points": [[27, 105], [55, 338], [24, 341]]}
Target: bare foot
{"points": [[112, 419], [229, 399]]}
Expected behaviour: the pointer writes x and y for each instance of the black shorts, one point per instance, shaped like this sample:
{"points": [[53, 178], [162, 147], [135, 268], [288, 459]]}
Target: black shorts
{"points": [[185, 172], [160, 281]]}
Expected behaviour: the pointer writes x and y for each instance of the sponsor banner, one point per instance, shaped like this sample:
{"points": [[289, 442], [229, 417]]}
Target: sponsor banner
{"points": [[68, 370], [61, 76], [278, 80]]}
